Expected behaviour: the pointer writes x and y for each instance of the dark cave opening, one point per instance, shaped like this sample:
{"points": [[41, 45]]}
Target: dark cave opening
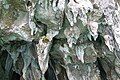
{"points": [[103, 74], [15, 76]]}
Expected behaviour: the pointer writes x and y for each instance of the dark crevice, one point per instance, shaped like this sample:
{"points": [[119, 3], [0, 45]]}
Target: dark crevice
{"points": [[57, 3], [50, 74], [103, 75], [15, 76], [29, 3], [75, 1], [51, 2], [40, 25], [55, 64], [3, 59], [67, 1], [100, 39], [63, 75], [43, 26], [55, 61]]}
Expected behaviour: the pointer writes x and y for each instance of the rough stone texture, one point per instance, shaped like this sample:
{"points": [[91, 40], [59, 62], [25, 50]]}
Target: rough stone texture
{"points": [[60, 39]]}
